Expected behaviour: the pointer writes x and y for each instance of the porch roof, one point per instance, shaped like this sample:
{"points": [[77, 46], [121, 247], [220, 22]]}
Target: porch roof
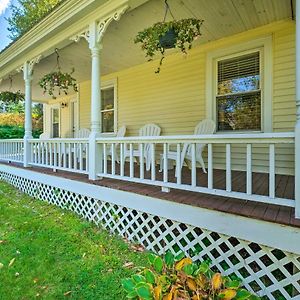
{"points": [[222, 19]]}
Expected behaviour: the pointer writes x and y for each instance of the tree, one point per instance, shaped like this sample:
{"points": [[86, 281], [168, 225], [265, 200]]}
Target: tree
{"points": [[27, 13]]}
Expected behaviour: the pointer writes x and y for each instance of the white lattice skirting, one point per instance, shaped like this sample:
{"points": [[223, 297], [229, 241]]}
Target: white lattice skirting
{"points": [[270, 272]]}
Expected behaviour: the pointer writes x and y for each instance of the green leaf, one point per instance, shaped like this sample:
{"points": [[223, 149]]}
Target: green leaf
{"points": [[128, 284], [151, 258], [158, 264], [150, 277], [242, 294], [188, 269], [180, 256], [132, 295], [169, 259], [233, 284], [138, 278], [144, 292], [203, 268]]}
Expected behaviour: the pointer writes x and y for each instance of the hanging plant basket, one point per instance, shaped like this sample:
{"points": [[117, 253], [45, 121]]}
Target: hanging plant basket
{"points": [[168, 40], [178, 34], [57, 81], [11, 97]]}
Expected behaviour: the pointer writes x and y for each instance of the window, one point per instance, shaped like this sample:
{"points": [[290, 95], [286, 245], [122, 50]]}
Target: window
{"points": [[55, 122], [108, 109], [238, 93]]}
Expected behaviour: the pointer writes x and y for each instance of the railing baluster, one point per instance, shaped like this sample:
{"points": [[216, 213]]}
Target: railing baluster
{"points": [[64, 149], [142, 172], [272, 171], [50, 154], [69, 155], [39, 152], [178, 164], [210, 166], [131, 162], [193, 171], [55, 154], [228, 168], [165, 167], [87, 156], [113, 159], [104, 159], [75, 157], [122, 163], [43, 153], [249, 169], [80, 157], [59, 155], [153, 171]]}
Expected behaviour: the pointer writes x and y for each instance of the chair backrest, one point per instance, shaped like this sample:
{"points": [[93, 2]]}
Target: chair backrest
{"points": [[122, 131], [204, 127], [150, 130], [82, 133], [44, 136]]}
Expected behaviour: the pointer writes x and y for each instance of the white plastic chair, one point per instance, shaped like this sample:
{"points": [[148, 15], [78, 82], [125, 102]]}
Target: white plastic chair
{"points": [[204, 127], [44, 136], [121, 133], [146, 130]]}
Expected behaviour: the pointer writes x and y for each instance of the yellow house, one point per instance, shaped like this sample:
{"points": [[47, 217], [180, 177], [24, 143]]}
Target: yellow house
{"points": [[127, 138]]}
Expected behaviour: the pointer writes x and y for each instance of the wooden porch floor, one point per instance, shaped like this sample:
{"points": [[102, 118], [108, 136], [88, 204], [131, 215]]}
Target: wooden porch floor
{"points": [[285, 186]]}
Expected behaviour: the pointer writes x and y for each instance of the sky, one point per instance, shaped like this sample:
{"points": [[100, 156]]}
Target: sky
{"points": [[4, 13]]}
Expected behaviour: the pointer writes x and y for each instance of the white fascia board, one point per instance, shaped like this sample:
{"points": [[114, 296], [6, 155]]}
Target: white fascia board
{"points": [[270, 234]]}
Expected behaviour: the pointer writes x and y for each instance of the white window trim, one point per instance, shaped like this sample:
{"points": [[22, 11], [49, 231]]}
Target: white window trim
{"points": [[265, 45], [104, 85]]}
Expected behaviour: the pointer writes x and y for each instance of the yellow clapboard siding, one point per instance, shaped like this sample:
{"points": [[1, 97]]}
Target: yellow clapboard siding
{"points": [[175, 99]]}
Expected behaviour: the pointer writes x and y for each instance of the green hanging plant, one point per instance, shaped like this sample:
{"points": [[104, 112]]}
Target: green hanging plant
{"points": [[11, 97], [165, 35], [58, 81]]}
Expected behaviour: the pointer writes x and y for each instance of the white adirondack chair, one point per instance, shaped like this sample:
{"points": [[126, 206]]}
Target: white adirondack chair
{"points": [[204, 127], [44, 136], [146, 130], [121, 133]]}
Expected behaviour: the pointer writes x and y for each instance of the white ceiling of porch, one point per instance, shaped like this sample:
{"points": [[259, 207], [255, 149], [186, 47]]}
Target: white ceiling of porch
{"points": [[221, 18]]}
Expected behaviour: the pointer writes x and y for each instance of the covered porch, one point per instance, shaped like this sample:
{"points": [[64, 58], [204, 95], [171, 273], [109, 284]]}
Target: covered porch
{"points": [[259, 165]]}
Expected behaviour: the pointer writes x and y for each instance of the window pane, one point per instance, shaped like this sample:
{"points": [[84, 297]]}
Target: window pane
{"points": [[107, 98], [108, 121], [55, 130], [239, 74], [239, 112], [55, 115]]}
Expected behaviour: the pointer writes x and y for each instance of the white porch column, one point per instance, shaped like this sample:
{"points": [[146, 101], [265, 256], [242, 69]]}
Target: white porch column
{"points": [[297, 128], [95, 153], [27, 72]]}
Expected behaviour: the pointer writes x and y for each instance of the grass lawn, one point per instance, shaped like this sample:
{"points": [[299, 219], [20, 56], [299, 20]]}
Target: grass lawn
{"points": [[50, 253]]}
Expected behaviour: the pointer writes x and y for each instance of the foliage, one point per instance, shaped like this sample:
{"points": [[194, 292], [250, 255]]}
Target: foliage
{"points": [[178, 278], [16, 132], [11, 97], [57, 254], [27, 13], [58, 80], [186, 31]]}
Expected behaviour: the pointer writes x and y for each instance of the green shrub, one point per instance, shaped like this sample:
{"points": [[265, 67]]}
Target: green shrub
{"points": [[16, 132], [178, 278]]}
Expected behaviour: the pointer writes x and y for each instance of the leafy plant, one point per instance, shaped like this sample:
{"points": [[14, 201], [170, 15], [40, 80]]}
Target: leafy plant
{"points": [[186, 31], [11, 97], [178, 278], [61, 81]]}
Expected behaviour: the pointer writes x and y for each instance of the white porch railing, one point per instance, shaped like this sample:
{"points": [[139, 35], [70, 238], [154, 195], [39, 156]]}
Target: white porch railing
{"points": [[60, 154], [127, 147], [12, 150], [118, 156]]}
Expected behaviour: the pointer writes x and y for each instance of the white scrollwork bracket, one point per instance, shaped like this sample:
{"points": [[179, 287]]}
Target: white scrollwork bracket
{"points": [[94, 33], [29, 66]]}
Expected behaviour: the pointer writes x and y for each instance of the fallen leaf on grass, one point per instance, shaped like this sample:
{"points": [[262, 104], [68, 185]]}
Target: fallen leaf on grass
{"points": [[35, 280], [17, 274], [83, 255], [137, 248], [2, 242], [67, 293], [128, 265], [11, 262], [1, 265]]}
